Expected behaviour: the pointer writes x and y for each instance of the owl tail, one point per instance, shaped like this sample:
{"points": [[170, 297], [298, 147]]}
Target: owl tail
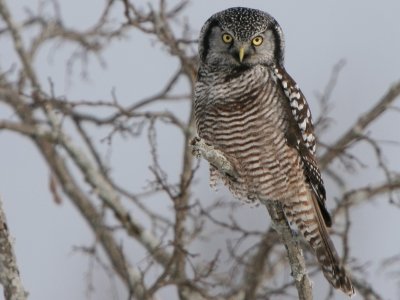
{"points": [[308, 218]]}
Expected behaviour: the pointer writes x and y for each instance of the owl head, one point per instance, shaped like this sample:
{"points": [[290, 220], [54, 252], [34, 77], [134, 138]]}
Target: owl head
{"points": [[241, 36]]}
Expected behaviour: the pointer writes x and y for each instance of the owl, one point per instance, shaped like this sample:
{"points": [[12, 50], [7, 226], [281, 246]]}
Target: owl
{"points": [[247, 107]]}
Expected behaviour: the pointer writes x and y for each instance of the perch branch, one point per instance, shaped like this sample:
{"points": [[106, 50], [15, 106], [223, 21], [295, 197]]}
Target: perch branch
{"points": [[213, 156], [294, 252], [281, 225]]}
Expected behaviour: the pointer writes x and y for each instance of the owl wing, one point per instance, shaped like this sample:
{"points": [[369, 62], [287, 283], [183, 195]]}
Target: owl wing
{"points": [[300, 135]]}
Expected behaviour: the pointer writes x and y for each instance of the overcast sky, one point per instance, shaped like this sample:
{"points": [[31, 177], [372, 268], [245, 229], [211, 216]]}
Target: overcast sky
{"points": [[366, 34]]}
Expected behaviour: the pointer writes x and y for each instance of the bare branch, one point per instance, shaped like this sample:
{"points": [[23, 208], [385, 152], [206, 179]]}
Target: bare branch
{"points": [[5, 13], [356, 131], [357, 196], [255, 270], [281, 225], [9, 272], [295, 254], [77, 138]]}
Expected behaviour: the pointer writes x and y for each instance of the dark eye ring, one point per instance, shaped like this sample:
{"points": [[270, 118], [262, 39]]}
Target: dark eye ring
{"points": [[227, 38]]}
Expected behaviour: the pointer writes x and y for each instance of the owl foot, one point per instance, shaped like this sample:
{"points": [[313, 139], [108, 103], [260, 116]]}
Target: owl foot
{"points": [[215, 157]]}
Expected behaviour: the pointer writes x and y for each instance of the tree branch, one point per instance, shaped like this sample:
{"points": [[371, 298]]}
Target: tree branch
{"points": [[19, 48], [295, 254], [9, 273], [356, 131], [280, 223]]}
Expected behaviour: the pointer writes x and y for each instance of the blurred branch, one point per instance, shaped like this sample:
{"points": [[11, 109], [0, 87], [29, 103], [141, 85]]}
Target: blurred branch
{"points": [[253, 278], [18, 44], [365, 290], [356, 131], [9, 273], [70, 187], [357, 196], [70, 135], [322, 122], [159, 25]]}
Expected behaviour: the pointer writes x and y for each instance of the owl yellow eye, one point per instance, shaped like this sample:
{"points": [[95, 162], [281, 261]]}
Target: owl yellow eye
{"points": [[257, 41], [227, 38]]}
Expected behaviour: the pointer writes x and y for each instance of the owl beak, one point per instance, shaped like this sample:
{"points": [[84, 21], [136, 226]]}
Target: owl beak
{"points": [[241, 53]]}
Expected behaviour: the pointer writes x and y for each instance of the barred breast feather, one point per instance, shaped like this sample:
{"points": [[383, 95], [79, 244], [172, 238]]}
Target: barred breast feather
{"points": [[245, 118]]}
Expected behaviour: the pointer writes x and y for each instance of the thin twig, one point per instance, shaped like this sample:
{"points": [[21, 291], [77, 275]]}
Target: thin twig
{"points": [[356, 130]]}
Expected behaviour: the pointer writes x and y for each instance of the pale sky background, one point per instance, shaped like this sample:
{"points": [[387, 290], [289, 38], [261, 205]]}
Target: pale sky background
{"points": [[318, 34]]}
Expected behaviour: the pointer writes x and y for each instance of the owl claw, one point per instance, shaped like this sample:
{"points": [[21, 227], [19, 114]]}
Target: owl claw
{"points": [[229, 171], [215, 157], [232, 177], [194, 143]]}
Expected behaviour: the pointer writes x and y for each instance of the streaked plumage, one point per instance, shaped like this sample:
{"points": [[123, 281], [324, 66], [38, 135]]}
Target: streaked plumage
{"points": [[249, 108]]}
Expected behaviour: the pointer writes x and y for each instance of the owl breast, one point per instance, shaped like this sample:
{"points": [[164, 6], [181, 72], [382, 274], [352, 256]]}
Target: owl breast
{"points": [[244, 117]]}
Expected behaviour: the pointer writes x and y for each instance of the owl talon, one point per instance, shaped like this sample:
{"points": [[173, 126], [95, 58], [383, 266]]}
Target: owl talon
{"points": [[215, 157], [232, 177], [195, 140], [229, 171], [195, 147]]}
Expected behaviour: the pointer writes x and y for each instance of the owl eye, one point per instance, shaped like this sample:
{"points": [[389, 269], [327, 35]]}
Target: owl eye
{"points": [[227, 38], [257, 41]]}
